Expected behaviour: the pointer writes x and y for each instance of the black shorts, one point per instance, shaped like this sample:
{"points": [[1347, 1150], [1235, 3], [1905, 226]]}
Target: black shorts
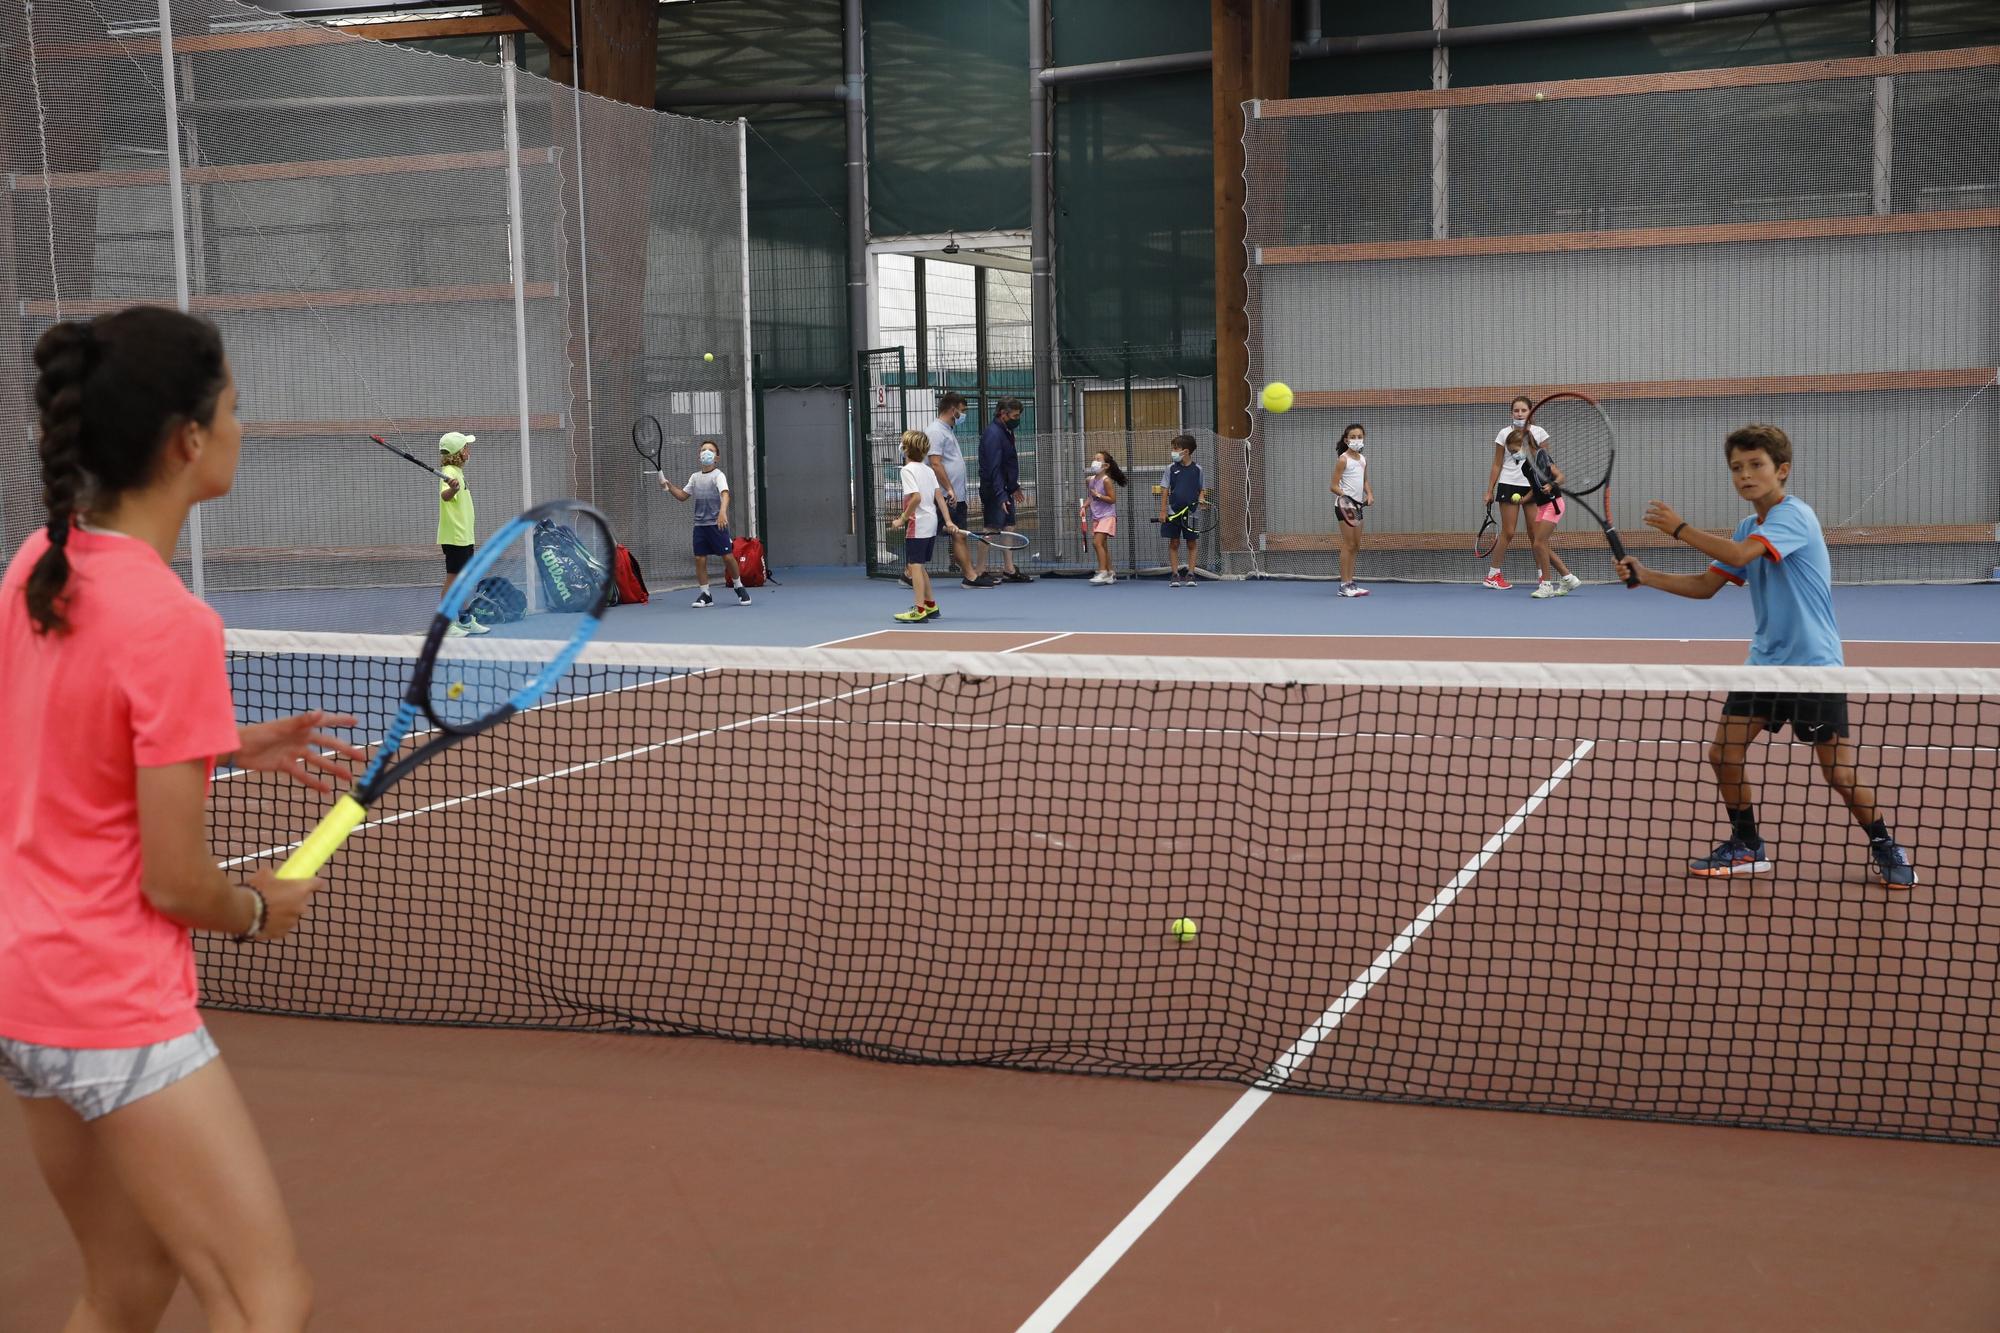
{"points": [[1176, 529], [917, 550], [997, 509], [457, 557], [957, 508], [1813, 718], [1508, 493]]}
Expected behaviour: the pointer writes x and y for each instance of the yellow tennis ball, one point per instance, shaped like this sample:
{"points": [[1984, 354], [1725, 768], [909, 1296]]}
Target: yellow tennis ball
{"points": [[708, 356], [457, 689], [1184, 929], [1541, 97], [1277, 397]]}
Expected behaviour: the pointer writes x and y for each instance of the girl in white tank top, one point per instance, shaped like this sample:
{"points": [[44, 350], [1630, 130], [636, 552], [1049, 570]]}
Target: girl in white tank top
{"points": [[1352, 491]]}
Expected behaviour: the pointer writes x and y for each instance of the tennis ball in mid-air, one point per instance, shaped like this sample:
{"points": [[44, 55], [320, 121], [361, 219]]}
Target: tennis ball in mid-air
{"points": [[1277, 397], [708, 356], [457, 689], [1184, 929]]}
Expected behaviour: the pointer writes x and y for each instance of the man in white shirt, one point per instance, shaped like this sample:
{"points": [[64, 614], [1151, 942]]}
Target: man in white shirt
{"points": [[947, 460]]}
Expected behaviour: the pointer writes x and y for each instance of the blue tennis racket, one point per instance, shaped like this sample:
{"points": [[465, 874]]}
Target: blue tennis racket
{"points": [[465, 683]]}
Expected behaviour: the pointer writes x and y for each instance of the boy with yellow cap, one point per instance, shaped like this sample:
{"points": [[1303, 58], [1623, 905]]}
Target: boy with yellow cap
{"points": [[455, 517]]}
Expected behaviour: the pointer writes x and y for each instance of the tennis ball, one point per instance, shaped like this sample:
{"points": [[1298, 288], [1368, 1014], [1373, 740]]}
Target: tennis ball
{"points": [[1277, 397], [1184, 929], [457, 689], [1541, 97], [708, 356]]}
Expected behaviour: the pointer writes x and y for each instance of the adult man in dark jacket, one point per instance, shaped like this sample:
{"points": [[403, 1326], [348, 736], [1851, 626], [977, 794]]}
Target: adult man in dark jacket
{"points": [[1000, 485]]}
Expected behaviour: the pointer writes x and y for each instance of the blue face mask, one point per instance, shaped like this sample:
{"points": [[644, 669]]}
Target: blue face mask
{"points": [[707, 459]]}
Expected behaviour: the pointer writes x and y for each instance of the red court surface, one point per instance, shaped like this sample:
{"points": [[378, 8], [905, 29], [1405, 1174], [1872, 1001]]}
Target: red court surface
{"points": [[447, 1178]]}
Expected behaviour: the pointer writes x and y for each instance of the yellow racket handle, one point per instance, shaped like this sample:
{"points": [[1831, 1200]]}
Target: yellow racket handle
{"points": [[318, 848]]}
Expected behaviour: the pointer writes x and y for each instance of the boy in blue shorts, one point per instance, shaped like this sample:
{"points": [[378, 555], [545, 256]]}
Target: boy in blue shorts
{"points": [[1780, 552], [1181, 489], [709, 489]]}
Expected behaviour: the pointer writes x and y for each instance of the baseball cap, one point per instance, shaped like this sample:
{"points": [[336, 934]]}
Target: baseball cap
{"points": [[452, 441]]}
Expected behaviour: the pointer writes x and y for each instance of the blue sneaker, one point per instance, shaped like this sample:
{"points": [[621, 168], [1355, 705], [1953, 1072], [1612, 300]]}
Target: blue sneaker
{"points": [[1734, 857], [1892, 864]]}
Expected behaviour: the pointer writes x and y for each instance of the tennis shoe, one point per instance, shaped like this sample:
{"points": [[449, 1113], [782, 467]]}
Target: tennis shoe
{"points": [[742, 595], [1016, 576], [932, 612], [916, 615], [702, 601], [1892, 864], [1570, 583], [1496, 581], [456, 630], [1545, 590], [1734, 857], [474, 627], [1353, 590]]}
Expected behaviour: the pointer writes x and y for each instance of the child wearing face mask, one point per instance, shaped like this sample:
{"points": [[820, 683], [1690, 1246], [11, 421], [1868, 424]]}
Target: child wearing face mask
{"points": [[1181, 490], [709, 489], [1507, 484], [1101, 511], [1352, 490]]}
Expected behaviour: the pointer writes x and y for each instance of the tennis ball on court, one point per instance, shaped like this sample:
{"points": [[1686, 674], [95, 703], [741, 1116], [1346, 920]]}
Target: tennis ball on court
{"points": [[708, 356], [1277, 397], [1184, 929], [457, 689]]}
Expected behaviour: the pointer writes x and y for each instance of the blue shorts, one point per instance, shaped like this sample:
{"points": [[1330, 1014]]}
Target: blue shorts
{"points": [[917, 550], [957, 512], [95, 1083], [997, 509], [711, 540], [1175, 529]]}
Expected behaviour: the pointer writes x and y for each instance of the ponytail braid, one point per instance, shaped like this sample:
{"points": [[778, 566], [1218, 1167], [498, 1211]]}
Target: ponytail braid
{"points": [[65, 356]]}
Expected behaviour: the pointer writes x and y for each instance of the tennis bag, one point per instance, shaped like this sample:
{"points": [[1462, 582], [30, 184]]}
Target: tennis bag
{"points": [[749, 553], [570, 574], [630, 581], [496, 601]]}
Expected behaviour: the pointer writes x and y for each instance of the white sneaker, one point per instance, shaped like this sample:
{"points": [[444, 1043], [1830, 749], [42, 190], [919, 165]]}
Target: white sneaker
{"points": [[456, 630], [1544, 590], [1100, 578], [1353, 590], [1569, 584]]}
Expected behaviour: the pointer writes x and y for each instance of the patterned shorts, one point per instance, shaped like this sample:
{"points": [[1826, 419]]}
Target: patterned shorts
{"points": [[95, 1083]]}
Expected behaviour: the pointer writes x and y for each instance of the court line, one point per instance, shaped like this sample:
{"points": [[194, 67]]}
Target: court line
{"points": [[1374, 634], [607, 760], [1079, 1284]]}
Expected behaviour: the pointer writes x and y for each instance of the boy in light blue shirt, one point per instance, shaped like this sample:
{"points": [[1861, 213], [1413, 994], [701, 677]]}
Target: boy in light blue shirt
{"points": [[1780, 553]]}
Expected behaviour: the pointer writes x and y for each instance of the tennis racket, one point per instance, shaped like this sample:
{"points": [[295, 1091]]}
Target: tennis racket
{"points": [[649, 440], [1198, 518], [402, 453], [1352, 511], [462, 685], [1001, 541], [1581, 436], [1489, 535]]}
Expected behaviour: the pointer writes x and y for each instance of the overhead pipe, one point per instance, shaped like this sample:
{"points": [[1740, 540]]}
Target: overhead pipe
{"points": [[1041, 226], [745, 96], [1575, 25]]}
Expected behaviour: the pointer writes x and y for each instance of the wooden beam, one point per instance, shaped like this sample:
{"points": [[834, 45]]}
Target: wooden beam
{"points": [[228, 555], [1693, 80], [547, 19], [618, 50], [1252, 44], [1637, 539], [284, 171], [236, 302], [1632, 238], [395, 30], [1627, 390]]}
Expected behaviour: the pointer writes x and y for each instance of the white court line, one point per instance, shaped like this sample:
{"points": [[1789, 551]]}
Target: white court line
{"points": [[1065, 1298], [589, 765], [1375, 634]]}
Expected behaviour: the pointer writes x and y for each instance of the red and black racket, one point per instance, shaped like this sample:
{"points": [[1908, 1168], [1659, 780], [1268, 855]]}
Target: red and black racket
{"points": [[1581, 439]]}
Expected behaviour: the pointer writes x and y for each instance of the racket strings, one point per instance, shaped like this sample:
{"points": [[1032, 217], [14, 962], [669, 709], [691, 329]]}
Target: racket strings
{"points": [[1580, 443]]}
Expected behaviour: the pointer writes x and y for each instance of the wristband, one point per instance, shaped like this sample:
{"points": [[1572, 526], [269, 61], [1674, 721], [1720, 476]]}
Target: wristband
{"points": [[1677, 531], [256, 927]]}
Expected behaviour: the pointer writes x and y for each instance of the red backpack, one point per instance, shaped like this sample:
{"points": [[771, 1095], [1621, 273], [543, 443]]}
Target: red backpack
{"points": [[749, 553], [631, 582]]}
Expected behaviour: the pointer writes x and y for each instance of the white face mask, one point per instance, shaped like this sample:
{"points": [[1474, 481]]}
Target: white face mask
{"points": [[1181, 459], [1520, 418], [1356, 444], [1096, 466], [707, 458]]}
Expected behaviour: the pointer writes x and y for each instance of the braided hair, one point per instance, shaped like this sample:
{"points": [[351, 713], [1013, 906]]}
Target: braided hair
{"points": [[109, 394]]}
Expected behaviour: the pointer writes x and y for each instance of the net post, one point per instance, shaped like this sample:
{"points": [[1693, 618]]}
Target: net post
{"points": [[177, 211], [517, 263], [750, 461]]}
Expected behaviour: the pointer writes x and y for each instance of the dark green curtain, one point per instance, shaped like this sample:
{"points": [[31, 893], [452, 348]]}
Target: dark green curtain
{"points": [[947, 116], [798, 184]]}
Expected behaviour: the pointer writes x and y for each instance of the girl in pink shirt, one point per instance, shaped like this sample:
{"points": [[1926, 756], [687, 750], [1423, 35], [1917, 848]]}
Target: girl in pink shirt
{"points": [[114, 710]]}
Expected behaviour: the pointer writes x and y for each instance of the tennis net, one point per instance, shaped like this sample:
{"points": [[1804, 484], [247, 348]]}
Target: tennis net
{"points": [[1436, 882]]}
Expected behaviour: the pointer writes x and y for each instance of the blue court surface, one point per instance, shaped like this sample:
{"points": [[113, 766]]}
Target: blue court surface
{"points": [[825, 605]]}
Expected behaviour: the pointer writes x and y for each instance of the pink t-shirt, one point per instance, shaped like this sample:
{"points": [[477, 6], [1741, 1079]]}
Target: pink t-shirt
{"points": [[140, 681]]}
